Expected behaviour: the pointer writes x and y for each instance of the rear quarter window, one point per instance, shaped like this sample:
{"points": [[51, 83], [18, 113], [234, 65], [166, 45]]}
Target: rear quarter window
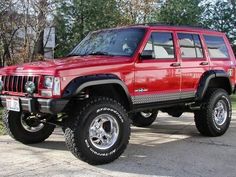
{"points": [[216, 47]]}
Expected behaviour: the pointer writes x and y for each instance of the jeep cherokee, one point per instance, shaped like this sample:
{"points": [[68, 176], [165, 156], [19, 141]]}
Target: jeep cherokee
{"points": [[117, 75]]}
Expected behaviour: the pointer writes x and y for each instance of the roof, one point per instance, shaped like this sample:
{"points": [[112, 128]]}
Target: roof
{"points": [[197, 28]]}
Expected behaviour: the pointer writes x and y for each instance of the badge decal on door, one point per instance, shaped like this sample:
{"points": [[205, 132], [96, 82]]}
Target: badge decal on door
{"points": [[141, 90]]}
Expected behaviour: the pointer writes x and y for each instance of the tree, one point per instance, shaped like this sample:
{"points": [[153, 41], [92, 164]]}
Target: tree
{"points": [[221, 17], [41, 17], [36, 14], [138, 11], [76, 18], [22, 23], [9, 25], [180, 12]]}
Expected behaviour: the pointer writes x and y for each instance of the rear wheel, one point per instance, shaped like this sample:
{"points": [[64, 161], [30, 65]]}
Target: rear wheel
{"points": [[24, 128], [144, 119], [215, 115], [100, 132]]}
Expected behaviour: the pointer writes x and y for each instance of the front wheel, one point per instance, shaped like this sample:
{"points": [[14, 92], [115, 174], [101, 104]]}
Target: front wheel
{"points": [[100, 132], [144, 119], [215, 115], [24, 128]]}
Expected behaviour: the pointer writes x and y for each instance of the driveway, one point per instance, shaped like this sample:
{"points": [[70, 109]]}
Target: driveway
{"points": [[170, 147]]}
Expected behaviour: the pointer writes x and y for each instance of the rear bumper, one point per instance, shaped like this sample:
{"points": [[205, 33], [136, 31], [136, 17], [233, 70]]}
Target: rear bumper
{"points": [[37, 105]]}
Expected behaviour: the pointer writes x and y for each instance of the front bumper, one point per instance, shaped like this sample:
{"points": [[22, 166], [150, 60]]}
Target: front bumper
{"points": [[38, 105]]}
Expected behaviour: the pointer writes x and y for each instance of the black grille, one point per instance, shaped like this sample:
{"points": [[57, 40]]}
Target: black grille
{"points": [[17, 83]]}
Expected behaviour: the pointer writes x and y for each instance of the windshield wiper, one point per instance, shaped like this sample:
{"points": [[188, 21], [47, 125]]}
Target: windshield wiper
{"points": [[73, 55], [99, 53]]}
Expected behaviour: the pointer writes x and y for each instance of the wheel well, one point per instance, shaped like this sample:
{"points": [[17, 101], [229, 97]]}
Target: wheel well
{"points": [[114, 91], [220, 82]]}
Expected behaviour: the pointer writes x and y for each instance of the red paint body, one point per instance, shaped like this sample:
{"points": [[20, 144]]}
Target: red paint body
{"points": [[157, 76]]}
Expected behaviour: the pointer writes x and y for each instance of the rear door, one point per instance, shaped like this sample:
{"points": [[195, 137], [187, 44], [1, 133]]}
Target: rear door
{"points": [[194, 62]]}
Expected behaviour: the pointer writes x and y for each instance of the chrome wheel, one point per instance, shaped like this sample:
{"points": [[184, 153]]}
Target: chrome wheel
{"points": [[220, 113], [30, 125], [103, 131], [146, 114]]}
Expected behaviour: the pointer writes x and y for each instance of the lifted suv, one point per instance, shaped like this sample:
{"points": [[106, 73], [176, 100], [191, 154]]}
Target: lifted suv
{"points": [[119, 74]]}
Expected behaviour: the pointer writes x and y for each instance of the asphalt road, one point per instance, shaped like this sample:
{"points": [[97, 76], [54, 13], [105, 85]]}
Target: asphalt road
{"points": [[170, 147]]}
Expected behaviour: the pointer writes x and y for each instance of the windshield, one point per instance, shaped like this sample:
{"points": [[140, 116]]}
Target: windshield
{"points": [[115, 42]]}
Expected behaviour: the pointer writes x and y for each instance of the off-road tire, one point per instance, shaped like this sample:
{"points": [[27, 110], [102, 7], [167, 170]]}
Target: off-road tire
{"points": [[204, 118], [140, 121], [14, 128], [76, 130]]}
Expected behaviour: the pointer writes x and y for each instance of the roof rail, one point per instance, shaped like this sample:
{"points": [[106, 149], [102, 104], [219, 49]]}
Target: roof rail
{"points": [[198, 26]]}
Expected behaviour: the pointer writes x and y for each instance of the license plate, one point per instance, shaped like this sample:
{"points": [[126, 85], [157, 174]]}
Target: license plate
{"points": [[13, 104]]}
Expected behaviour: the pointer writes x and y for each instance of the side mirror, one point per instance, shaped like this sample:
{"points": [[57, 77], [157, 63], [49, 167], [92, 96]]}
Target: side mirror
{"points": [[147, 54]]}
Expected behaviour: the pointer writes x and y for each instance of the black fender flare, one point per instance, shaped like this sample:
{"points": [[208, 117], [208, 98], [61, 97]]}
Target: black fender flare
{"points": [[79, 83], [205, 80]]}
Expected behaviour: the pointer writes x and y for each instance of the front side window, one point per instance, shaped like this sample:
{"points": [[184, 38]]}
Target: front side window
{"points": [[162, 45], [115, 42], [190, 45], [216, 47]]}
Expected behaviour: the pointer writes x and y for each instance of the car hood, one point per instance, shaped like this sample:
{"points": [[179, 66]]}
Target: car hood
{"points": [[52, 66]]}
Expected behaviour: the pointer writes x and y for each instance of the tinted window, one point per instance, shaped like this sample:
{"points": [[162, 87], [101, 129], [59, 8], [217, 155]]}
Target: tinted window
{"points": [[216, 47], [190, 46], [162, 45]]}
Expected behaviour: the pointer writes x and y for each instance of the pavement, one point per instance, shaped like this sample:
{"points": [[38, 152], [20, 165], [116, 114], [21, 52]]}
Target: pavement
{"points": [[170, 147]]}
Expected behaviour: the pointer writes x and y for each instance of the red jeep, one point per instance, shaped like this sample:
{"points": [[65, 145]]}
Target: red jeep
{"points": [[117, 75]]}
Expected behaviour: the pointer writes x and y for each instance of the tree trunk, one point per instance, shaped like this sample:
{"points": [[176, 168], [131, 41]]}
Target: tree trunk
{"points": [[39, 46], [82, 20], [6, 54], [39, 50]]}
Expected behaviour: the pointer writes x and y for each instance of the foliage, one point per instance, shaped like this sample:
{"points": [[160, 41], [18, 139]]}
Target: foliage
{"points": [[221, 16], [180, 12], [76, 18], [139, 11]]}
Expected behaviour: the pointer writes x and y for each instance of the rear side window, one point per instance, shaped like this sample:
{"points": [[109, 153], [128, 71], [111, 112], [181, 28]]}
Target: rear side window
{"points": [[162, 45], [190, 45], [216, 47]]}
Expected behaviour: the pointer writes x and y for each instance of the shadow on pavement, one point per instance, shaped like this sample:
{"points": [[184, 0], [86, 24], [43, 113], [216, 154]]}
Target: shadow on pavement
{"points": [[53, 145]]}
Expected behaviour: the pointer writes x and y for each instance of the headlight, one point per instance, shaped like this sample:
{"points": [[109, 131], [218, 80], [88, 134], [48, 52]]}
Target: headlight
{"points": [[52, 83], [48, 82]]}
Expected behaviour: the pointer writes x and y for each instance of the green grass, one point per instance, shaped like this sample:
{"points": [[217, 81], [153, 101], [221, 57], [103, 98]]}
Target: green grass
{"points": [[233, 98]]}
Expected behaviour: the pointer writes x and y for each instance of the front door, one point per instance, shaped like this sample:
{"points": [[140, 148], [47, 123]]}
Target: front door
{"points": [[157, 77]]}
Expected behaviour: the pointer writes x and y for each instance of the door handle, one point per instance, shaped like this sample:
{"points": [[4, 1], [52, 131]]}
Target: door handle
{"points": [[204, 63], [175, 64]]}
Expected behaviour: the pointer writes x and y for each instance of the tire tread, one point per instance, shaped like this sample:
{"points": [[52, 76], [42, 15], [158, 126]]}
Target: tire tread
{"points": [[71, 140]]}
